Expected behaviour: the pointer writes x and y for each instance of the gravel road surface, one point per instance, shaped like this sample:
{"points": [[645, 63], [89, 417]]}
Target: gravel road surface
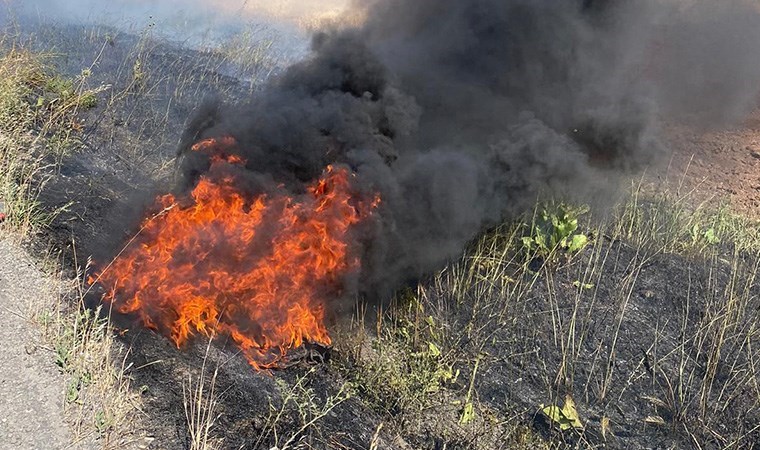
{"points": [[31, 388]]}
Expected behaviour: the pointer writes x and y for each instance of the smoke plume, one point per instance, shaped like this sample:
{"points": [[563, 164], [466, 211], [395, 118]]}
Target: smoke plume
{"points": [[461, 113]]}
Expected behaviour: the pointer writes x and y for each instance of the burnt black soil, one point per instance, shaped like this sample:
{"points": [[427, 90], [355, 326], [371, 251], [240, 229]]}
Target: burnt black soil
{"points": [[632, 355], [636, 351]]}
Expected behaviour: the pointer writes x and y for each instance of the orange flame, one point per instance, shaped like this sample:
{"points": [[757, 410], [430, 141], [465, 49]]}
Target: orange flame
{"points": [[257, 268], [218, 149]]}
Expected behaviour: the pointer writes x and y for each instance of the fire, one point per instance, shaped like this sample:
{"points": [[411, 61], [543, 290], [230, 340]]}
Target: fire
{"points": [[258, 268]]}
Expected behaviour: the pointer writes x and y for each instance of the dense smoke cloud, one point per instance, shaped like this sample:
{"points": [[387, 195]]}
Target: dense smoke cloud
{"points": [[461, 113]]}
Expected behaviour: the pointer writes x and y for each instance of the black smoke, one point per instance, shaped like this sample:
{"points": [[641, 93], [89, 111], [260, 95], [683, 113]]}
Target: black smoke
{"points": [[461, 113]]}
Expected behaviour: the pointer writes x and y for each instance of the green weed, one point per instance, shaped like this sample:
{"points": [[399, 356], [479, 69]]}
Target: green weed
{"points": [[554, 230]]}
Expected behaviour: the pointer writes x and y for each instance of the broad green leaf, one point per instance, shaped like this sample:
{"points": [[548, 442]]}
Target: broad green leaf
{"points": [[577, 243], [540, 240], [711, 237], [566, 417], [568, 409], [555, 221], [72, 391], [434, 350], [554, 413]]}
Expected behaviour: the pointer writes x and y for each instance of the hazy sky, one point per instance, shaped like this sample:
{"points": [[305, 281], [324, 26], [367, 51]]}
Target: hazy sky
{"points": [[194, 22], [94, 10]]}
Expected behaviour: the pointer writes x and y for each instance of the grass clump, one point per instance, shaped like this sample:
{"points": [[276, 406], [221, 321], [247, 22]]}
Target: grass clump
{"points": [[38, 121], [99, 400], [22, 167], [200, 402], [293, 420], [406, 363], [673, 222], [651, 327]]}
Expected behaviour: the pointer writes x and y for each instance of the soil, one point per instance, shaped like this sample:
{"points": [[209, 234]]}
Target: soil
{"points": [[31, 387], [632, 318], [722, 165]]}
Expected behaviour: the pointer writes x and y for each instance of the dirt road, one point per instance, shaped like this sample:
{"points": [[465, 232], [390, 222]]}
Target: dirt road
{"points": [[31, 389]]}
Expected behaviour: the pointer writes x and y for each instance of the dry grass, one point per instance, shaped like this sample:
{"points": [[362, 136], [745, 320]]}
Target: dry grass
{"points": [[38, 124], [201, 403], [493, 305], [294, 419], [101, 404], [23, 170]]}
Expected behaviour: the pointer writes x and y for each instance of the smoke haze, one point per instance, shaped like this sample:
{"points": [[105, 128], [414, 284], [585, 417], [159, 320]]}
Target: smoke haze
{"points": [[462, 113], [196, 12], [194, 23]]}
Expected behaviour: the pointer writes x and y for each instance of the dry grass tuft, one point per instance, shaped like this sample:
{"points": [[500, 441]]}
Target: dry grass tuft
{"points": [[201, 403], [100, 401], [38, 125]]}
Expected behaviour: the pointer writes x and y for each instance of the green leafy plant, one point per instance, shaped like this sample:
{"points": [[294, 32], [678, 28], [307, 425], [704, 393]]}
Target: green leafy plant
{"points": [[564, 418], [704, 236], [60, 86], [555, 229], [103, 422], [406, 364]]}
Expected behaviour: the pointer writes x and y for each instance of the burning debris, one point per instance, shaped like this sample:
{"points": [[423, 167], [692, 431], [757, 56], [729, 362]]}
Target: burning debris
{"points": [[257, 267], [457, 113]]}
